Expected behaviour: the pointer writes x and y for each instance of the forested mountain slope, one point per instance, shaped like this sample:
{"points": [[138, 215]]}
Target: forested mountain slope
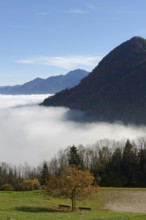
{"points": [[116, 88]]}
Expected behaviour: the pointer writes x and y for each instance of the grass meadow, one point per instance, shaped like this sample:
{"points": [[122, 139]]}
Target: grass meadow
{"points": [[108, 204]]}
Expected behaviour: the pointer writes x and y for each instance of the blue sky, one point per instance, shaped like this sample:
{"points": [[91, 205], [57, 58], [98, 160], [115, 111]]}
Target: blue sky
{"points": [[40, 38]]}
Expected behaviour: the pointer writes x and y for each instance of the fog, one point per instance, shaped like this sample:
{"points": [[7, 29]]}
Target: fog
{"points": [[32, 133]]}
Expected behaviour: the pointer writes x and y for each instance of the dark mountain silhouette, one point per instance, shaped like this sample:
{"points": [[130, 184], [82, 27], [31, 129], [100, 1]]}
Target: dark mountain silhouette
{"points": [[52, 84], [116, 88]]}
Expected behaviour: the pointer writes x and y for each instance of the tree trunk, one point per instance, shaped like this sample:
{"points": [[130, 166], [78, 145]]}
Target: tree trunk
{"points": [[73, 204]]}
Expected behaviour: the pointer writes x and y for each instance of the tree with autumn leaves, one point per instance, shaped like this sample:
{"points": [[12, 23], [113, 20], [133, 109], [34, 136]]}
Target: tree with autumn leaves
{"points": [[73, 183]]}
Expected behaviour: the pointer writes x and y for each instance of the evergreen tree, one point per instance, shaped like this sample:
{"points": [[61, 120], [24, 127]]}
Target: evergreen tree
{"points": [[114, 176], [74, 157], [44, 176], [142, 167], [130, 164]]}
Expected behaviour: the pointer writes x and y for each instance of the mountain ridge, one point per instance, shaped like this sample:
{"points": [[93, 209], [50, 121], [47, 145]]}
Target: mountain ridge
{"points": [[115, 90], [50, 85]]}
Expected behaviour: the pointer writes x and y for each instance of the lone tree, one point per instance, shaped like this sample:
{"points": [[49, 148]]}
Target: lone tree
{"points": [[72, 183]]}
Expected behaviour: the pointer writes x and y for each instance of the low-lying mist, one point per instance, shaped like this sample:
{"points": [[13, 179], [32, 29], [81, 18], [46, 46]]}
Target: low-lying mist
{"points": [[32, 133]]}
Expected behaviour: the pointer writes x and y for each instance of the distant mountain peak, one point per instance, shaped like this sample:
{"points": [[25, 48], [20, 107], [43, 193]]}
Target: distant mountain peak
{"points": [[50, 85], [76, 72]]}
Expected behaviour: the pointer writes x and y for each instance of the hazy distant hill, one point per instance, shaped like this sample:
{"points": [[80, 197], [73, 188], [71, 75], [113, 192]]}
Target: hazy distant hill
{"points": [[52, 84], [116, 88]]}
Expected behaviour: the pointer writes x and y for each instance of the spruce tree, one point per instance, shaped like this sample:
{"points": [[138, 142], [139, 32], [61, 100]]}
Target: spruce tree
{"points": [[44, 176], [74, 157]]}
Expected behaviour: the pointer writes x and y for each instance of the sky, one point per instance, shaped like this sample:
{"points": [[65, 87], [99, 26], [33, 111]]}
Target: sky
{"points": [[33, 134], [41, 38]]}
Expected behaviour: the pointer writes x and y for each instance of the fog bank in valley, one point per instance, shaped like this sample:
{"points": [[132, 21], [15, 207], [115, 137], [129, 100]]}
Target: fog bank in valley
{"points": [[32, 133]]}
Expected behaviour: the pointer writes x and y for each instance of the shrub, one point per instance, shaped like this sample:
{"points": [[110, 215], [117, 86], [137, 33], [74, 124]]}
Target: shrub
{"points": [[29, 184], [7, 187]]}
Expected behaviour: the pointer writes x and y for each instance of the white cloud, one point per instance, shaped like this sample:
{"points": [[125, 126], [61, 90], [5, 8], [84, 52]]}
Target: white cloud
{"points": [[26, 61], [88, 8], [75, 11], [34, 134], [66, 62]]}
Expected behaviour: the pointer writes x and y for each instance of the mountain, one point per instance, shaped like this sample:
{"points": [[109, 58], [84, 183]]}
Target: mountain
{"points": [[50, 85], [115, 90]]}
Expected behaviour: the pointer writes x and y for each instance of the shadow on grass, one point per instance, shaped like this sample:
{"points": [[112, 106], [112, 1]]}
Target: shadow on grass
{"points": [[37, 209]]}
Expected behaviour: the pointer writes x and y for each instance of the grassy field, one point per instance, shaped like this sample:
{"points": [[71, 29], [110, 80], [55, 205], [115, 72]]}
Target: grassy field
{"points": [[39, 206]]}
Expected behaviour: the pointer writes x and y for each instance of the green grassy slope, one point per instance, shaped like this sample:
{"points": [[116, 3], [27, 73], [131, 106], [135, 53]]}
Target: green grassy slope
{"points": [[38, 206]]}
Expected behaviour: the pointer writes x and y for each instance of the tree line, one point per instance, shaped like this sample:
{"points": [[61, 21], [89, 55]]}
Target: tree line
{"points": [[112, 163]]}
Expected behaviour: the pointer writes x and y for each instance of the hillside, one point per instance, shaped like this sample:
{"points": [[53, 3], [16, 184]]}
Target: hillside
{"points": [[116, 88], [51, 85], [109, 204]]}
